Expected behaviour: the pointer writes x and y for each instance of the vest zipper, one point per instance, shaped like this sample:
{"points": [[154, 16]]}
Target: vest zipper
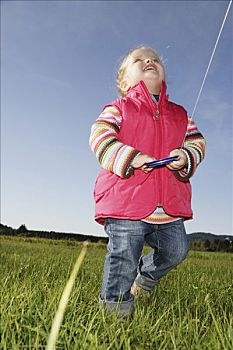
{"points": [[156, 117], [159, 175], [160, 154]]}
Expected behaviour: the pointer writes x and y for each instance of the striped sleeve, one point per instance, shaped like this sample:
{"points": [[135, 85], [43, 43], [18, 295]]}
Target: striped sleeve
{"points": [[112, 154], [194, 148]]}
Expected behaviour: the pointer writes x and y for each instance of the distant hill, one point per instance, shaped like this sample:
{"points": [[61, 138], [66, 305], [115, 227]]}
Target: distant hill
{"points": [[198, 240], [211, 243], [195, 236]]}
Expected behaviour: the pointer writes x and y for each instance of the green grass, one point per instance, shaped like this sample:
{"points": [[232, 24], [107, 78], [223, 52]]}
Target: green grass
{"points": [[190, 309]]}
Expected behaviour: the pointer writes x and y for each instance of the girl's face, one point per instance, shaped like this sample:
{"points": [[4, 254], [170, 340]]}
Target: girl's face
{"points": [[144, 64]]}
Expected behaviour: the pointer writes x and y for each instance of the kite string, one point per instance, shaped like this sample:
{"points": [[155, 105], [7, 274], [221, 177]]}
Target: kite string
{"points": [[211, 58]]}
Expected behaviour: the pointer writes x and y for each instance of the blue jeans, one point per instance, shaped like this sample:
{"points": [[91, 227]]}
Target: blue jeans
{"points": [[124, 263]]}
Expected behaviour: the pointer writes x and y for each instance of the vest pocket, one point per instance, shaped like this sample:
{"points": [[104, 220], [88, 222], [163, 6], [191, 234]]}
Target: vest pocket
{"points": [[104, 182]]}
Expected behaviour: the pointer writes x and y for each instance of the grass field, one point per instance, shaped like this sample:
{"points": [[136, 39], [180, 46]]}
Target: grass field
{"points": [[190, 309]]}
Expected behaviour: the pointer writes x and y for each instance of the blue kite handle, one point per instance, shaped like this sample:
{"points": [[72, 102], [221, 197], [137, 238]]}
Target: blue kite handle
{"points": [[161, 162]]}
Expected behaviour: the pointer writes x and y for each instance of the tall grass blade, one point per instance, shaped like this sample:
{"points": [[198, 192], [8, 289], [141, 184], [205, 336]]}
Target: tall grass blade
{"points": [[64, 300]]}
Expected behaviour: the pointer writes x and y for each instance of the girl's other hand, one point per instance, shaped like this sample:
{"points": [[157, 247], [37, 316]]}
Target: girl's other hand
{"points": [[140, 161], [181, 161]]}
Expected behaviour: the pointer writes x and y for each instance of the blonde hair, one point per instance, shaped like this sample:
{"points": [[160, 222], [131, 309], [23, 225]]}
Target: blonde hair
{"points": [[123, 65]]}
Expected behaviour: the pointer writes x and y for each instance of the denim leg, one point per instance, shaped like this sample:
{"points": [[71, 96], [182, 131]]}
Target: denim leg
{"points": [[170, 247], [125, 245]]}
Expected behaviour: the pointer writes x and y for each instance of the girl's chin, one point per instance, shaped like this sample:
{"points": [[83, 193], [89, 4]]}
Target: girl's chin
{"points": [[154, 88]]}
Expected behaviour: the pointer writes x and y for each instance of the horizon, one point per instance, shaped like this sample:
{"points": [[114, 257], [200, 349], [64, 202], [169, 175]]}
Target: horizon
{"points": [[103, 233]]}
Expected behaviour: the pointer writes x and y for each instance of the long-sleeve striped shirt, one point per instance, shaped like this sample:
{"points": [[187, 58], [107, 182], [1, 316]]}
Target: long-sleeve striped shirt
{"points": [[116, 157]]}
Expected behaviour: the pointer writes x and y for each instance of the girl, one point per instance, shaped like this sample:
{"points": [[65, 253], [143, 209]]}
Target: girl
{"points": [[135, 202]]}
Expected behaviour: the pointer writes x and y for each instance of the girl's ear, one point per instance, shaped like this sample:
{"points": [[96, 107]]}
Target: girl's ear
{"points": [[124, 86]]}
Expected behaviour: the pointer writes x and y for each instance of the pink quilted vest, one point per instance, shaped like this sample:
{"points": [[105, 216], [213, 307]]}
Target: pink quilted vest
{"points": [[155, 130]]}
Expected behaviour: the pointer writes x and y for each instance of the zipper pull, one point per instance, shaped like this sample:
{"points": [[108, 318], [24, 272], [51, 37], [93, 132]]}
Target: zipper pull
{"points": [[157, 114]]}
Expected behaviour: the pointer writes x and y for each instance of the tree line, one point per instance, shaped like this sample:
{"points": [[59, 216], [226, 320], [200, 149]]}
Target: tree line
{"points": [[208, 245]]}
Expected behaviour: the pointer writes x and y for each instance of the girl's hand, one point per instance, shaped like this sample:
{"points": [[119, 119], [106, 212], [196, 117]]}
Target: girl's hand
{"points": [[140, 160], [181, 161]]}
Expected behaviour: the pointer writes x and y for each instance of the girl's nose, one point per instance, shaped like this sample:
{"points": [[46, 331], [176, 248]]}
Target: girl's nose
{"points": [[148, 60]]}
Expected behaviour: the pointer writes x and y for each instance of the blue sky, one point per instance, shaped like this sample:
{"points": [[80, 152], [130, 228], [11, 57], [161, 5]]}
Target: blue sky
{"points": [[58, 65]]}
